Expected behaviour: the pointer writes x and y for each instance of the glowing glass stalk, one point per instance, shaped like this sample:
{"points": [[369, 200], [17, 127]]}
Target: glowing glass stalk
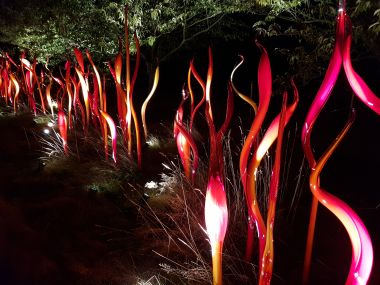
{"points": [[98, 81], [265, 92], [341, 55], [190, 90], [79, 57], [268, 254], [208, 85], [71, 99], [130, 104], [48, 97], [39, 86], [241, 95], [28, 79], [181, 135], [104, 128], [254, 216], [11, 60], [112, 127], [17, 92], [253, 204], [128, 82], [185, 143], [216, 212], [33, 78], [361, 89], [362, 251], [145, 104], [94, 102], [272, 132], [84, 88], [77, 102], [216, 217], [121, 98], [319, 101], [62, 124], [5, 84], [203, 86], [1, 82]]}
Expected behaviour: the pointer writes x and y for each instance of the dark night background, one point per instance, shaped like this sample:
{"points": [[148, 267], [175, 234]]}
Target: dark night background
{"points": [[54, 230]]}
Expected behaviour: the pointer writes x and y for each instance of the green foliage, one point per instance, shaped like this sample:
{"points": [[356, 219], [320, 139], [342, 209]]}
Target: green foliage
{"points": [[375, 27], [310, 33], [50, 29]]}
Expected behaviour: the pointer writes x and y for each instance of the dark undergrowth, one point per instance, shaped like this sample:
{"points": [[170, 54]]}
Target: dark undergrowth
{"points": [[79, 219]]}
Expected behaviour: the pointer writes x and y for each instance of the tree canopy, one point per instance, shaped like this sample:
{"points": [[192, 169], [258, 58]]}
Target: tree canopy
{"points": [[51, 28]]}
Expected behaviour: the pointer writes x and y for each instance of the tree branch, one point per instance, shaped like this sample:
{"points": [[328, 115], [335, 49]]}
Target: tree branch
{"points": [[184, 40]]}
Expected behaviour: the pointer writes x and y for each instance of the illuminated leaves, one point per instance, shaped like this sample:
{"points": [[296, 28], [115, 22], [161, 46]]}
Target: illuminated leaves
{"points": [[375, 27]]}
